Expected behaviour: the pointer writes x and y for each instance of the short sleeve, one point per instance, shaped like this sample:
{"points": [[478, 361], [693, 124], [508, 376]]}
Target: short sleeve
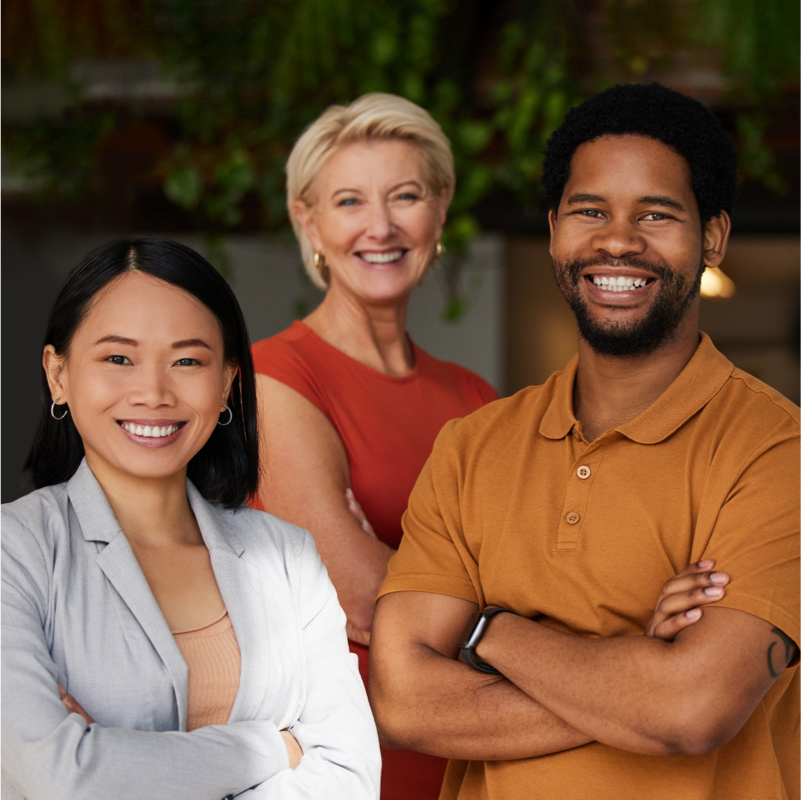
{"points": [[433, 556], [281, 360], [756, 539]]}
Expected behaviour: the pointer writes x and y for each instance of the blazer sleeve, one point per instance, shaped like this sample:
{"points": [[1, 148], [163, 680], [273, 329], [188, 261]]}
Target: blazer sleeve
{"points": [[49, 754], [341, 758]]}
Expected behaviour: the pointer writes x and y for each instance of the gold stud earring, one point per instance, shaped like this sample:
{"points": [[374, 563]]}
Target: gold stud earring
{"points": [[319, 262], [438, 250]]}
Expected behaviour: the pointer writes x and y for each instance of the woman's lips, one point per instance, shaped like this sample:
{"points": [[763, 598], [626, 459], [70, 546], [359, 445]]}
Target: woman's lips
{"points": [[151, 433], [384, 258]]}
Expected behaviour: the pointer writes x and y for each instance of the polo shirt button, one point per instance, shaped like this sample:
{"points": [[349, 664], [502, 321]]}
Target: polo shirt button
{"points": [[573, 517], [576, 434], [584, 473]]}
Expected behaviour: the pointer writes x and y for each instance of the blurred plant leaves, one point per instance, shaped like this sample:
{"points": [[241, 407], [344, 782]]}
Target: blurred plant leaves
{"points": [[498, 75]]}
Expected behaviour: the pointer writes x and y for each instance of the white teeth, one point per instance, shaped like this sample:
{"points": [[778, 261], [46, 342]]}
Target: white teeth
{"points": [[621, 284], [154, 432], [382, 258]]}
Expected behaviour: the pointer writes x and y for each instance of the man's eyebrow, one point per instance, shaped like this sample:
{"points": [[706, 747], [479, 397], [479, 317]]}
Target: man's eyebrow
{"points": [[580, 197], [662, 200], [118, 340], [189, 343]]}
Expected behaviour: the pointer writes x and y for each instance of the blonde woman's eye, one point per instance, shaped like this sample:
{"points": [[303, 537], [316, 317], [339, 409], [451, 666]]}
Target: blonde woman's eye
{"points": [[348, 201], [407, 196]]}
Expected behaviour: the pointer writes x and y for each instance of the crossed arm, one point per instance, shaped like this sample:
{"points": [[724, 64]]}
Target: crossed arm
{"points": [[686, 696]]}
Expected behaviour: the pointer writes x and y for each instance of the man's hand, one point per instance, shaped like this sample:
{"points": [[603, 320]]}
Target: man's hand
{"points": [[681, 597]]}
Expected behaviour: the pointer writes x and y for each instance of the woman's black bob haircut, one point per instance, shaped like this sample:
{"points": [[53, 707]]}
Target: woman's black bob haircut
{"points": [[682, 123], [226, 470]]}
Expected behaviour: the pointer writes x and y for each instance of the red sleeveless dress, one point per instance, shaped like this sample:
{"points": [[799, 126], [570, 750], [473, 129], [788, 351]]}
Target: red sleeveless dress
{"points": [[388, 426]]}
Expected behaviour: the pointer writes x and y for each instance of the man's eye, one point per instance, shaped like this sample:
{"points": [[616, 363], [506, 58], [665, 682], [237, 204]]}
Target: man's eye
{"points": [[118, 360], [591, 212], [656, 216]]}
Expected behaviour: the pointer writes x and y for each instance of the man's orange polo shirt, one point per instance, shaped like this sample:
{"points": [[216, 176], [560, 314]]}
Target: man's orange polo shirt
{"points": [[516, 508]]}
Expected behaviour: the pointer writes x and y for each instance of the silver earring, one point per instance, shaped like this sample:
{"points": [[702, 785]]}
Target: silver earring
{"points": [[53, 415], [230, 416]]}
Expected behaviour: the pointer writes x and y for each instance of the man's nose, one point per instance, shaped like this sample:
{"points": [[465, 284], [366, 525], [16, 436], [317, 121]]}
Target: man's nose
{"points": [[619, 238]]}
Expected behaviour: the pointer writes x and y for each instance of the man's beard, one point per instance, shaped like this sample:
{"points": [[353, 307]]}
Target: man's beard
{"points": [[675, 296]]}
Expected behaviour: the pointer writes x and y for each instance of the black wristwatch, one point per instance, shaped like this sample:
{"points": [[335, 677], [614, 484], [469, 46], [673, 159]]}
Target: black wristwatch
{"points": [[474, 631]]}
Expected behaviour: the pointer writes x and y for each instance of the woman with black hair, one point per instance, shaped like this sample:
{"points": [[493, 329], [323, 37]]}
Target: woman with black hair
{"points": [[159, 639]]}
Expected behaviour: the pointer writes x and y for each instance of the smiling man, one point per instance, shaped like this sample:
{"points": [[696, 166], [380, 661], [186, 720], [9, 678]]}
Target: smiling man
{"points": [[570, 504]]}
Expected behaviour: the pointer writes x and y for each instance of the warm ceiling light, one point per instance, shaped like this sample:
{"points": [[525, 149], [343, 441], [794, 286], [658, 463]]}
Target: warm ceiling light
{"points": [[715, 283]]}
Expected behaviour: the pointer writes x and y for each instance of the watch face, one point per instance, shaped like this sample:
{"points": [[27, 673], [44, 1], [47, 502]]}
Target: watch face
{"points": [[478, 631]]}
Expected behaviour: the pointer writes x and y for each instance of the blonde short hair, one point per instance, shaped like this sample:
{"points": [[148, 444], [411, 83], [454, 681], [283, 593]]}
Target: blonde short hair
{"points": [[371, 117]]}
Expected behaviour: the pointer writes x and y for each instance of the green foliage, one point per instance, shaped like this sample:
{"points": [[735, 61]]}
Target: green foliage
{"points": [[498, 75]]}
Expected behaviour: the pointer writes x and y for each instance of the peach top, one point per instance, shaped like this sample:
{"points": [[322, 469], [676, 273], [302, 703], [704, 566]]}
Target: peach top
{"points": [[212, 654]]}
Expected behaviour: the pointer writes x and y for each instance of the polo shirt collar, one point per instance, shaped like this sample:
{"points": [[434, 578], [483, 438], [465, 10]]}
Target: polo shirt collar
{"points": [[700, 380]]}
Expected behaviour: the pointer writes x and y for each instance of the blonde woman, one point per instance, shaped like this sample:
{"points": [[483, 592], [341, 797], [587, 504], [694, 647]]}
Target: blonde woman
{"points": [[349, 406]]}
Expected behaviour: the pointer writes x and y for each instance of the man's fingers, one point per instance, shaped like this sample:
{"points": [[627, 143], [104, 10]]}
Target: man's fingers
{"points": [[678, 603], [687, 583], [670, 628]]}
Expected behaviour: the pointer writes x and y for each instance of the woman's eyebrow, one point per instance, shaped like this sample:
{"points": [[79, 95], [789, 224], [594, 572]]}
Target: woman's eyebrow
{"points": [[190, 343], [118, 340]]}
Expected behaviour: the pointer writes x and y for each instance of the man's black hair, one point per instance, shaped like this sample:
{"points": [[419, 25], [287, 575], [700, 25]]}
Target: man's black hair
{"points": [[652, 110], [226, 469]]}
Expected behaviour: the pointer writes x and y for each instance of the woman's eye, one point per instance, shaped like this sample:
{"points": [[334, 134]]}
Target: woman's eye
{"points": [[407, 196], [186, 362], [348, 201], [118, 360]]}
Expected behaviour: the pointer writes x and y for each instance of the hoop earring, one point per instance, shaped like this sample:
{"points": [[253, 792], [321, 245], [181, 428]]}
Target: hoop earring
{"points": [[53, 415], [230, 416], [319, 262], [438, 250]]}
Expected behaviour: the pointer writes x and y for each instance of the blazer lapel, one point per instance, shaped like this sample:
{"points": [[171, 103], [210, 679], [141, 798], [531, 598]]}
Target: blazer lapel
{"points": [[122, 570], [238, 581]]}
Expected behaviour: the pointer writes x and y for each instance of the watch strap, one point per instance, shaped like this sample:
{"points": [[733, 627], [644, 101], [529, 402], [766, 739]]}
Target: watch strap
{"points": [[474, 633]]}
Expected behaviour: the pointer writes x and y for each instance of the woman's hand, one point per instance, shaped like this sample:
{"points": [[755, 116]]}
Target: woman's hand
{"points": [[357, 634], [681, 598], [72, 705], [293, 749], [356, 510]]}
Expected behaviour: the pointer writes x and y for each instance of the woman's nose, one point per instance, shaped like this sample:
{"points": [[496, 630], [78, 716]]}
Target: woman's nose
{"points": [[379, 224], [151, 388]]}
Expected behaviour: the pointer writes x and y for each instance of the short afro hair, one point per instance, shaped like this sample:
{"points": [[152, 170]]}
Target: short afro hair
{"points": [[682, 123]]}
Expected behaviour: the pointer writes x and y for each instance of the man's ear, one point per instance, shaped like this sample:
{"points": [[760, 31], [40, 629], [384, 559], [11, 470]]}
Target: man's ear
{"points": [[303, 214], [716, 239], [551, 225], [54, 365]]}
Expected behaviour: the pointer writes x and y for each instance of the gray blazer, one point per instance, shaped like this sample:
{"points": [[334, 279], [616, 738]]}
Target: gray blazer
{"points": [[77, 610]]}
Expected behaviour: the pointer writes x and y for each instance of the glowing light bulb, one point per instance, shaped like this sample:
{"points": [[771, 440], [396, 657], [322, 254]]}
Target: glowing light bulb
{"points": [[715, 283]]}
